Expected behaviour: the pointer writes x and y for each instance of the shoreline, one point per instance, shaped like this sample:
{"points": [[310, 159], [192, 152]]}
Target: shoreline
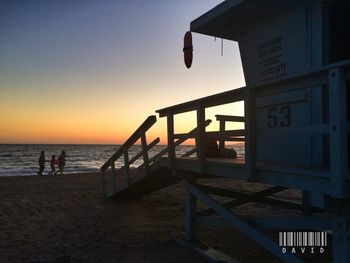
{"points": [[47, 175]]}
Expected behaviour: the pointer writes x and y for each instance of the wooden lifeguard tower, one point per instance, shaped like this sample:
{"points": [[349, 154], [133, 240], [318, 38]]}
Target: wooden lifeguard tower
{"points": [[296, 62]]}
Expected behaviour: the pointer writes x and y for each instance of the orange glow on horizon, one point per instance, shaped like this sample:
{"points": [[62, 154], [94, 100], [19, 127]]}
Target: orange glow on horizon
{"points": [[96, 129]]}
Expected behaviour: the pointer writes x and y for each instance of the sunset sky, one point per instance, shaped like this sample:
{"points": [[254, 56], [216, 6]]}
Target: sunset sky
{"points": [[92, 71]]}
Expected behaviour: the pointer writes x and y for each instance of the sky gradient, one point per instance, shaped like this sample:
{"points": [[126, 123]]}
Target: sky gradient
{"points": [[92, 71]]}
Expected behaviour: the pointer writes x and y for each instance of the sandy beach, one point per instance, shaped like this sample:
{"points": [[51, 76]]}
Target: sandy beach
{"points": [[65, 219]]}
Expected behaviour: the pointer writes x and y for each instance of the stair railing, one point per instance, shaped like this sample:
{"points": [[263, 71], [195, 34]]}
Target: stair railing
{"points": [[140, 133]]}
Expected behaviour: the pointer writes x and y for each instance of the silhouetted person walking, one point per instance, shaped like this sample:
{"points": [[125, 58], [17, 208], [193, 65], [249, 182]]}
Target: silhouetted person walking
{"points": [[41, 163], [53, 163], [61, 162]]}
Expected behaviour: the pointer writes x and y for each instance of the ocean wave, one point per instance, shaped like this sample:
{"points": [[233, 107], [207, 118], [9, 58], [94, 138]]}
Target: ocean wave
{"points": [[17, 172], [7, 155], [33, 172], [18, 160]]}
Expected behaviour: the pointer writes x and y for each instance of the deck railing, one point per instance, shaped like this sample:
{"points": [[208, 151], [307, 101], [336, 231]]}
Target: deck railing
{"points": [[181, 138], [200, 135], [227, 136]]}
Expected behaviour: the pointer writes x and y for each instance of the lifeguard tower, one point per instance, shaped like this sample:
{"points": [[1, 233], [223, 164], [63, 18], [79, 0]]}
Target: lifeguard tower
{"points": [[296, 62], [295, 56]]}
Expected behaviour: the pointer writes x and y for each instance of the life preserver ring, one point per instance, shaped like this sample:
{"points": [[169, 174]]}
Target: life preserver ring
{"points": [[188, 49]]}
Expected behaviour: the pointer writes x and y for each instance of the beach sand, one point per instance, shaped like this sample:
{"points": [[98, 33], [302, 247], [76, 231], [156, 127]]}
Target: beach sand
{"points": [[65, 219]]}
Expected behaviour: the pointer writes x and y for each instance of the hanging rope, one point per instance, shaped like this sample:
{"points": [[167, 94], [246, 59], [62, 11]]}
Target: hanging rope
{"points": [[222, 46]]}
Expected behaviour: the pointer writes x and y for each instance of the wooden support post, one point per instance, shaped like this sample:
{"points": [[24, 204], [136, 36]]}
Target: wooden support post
{"points": [[190, 222], [341, 239], [200, 138], [222, 135], [171, 146], [103, 184], [306, 203], [338, 133], [145, 152], [250, 134], [242, 225], [126, 166], [113, 177], [238, 202]]}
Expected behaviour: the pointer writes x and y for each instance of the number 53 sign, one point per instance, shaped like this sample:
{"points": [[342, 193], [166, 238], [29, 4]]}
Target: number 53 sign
{"points": [[279, 117]]}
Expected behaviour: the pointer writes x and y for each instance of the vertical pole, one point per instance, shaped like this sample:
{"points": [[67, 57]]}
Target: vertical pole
{"points": [[126, 166], [306, 205], [171, 146], [103, 184], [250, 134], [222, 135], [341, 239], [338, 133], [190, 221], [200, 138], [144, 152], [113, 178]]}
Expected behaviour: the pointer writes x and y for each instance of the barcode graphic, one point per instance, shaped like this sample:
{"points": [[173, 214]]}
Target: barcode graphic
{"points": [[303, 239]]}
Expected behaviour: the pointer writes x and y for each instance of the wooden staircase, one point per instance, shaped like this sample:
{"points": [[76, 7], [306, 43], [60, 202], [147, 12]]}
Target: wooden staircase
{"points": [[149, 176]]}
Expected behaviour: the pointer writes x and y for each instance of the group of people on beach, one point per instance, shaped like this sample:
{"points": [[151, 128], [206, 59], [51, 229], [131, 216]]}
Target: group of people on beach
{"points": [[60, 162]]}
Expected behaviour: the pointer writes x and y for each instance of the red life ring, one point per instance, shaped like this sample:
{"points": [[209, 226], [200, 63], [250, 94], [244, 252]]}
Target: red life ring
{"points": [[188, 49]]}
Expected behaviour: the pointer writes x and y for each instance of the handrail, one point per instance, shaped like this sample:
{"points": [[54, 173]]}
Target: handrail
{"points": [[132, 139], [140, 133], [205, 102], [137, 156], [190, 152], [214, 134], [230, 118], [183, 138]]}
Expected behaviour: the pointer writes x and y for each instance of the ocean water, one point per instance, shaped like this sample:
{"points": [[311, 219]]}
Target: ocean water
{"points": [[22, 159]]}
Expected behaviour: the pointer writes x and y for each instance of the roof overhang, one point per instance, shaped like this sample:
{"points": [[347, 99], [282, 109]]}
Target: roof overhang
{"points": [[232, 17]]}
